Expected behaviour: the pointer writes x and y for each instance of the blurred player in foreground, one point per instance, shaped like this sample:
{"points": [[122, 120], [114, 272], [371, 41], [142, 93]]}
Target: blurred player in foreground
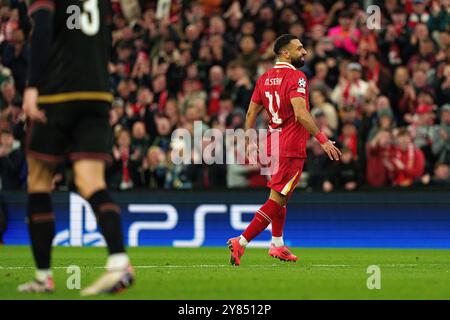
{"points": [[283, 92], [67, 103]]}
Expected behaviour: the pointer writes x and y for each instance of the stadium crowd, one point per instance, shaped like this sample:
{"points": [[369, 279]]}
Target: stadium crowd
{"points": [[382, 92]]}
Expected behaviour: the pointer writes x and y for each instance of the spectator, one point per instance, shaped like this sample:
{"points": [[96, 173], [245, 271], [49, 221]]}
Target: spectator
{"points": [[238, 173], [220, 53], [380, 150], [126, 90], [159, 86], [394, 39], [226, 108], [351, 89], [164, 130], [419, 13], [192, 91], [322, 123], [319, 100], [172, 111], [243, 87], [385, 121], [344, 175], [122, 174], [267, 43], [349, 138], [321, 76], [153, 171], [377, 73], [200, 64], [439, 19], [408, 160], [440, 138], [421, 130], [139, 140], [317, 165], [215, 88], [419, 32], [12, 162], [441, 176], [9, 95], [249, 55], [345, 36], [118, 117], [317, 16], [443, 85], [15, 57], [426, 53]]}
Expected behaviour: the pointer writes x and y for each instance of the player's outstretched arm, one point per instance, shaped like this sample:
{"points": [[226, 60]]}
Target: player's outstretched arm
{"points": [[304, 117]]}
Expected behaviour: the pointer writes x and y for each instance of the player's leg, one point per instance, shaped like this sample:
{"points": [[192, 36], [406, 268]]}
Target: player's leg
{"points": [[279, 218], [265, 215], [90, 151], [90, 182], [281, 193], [45, 147], [268, 213], [277, 248], [41, 224]]}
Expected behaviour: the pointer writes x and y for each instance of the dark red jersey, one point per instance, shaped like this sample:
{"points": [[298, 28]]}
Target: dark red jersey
{"points": [[274, 90]]}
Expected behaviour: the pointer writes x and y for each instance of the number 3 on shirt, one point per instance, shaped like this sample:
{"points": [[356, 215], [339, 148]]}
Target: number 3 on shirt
{"points": [[90, 18], [273, 112]]}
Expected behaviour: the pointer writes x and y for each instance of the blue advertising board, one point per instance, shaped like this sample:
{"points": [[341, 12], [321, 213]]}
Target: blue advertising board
{"points": [[194, 219]]}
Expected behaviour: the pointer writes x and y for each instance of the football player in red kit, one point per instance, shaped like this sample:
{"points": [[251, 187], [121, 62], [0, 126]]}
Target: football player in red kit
{"points": [[283, 92]]}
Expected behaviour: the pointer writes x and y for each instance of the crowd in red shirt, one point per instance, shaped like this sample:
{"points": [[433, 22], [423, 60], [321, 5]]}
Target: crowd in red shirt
{"points": [[380, 91]]}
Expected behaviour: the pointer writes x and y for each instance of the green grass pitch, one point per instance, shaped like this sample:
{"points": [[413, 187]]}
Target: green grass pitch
{"points": [[176, 273]]}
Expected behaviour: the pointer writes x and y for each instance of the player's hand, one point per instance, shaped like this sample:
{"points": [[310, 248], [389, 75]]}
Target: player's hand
{"points": [[30, 98], [331, 150]]}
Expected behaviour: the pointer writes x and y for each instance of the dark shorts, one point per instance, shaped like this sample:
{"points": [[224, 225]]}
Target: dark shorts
{"points": [[74, 131]]}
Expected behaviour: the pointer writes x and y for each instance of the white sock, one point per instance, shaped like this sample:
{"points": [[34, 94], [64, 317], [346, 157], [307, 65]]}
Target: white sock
{"points": [[117, 261], [41, 275], [242, 241], [278, 241]]}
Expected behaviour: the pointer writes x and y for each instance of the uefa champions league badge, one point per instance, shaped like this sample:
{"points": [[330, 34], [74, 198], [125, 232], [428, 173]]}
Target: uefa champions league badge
{"points": [[301, 85]]}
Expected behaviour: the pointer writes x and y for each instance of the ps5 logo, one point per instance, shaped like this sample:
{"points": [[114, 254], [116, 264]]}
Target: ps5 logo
{"points": [[83, 231], [199, 221], [82, 226]]}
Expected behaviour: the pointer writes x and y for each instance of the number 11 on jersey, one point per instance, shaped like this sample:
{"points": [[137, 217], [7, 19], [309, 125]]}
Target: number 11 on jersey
{"points": [[274, 111]]}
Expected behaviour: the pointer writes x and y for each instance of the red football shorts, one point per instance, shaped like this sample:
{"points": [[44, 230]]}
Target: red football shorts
{"points": [[285, 179]]}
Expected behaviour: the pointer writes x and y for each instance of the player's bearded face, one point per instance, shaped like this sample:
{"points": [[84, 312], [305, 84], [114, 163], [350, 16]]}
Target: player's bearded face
{"points": [[298, 61]]}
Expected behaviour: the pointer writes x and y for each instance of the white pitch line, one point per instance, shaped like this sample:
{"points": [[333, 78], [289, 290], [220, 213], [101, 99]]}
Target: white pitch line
{"points": [[155, 266], [333, 265], [228, 266]]}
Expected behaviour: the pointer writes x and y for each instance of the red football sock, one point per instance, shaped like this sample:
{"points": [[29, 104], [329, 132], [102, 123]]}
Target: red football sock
{"points": [[278, 223], [262, 219]]}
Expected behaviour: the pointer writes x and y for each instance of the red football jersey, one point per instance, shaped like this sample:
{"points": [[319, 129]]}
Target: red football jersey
{"points": [[274, 90]]}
